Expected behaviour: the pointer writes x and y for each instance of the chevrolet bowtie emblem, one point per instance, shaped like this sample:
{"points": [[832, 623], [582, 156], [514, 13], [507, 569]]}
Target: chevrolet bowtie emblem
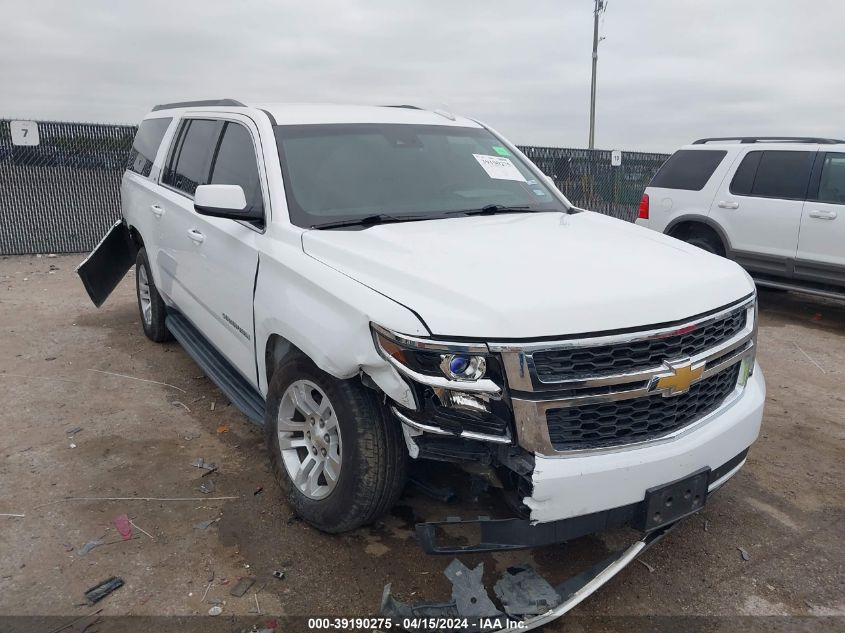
{"points": [[678, 378]]}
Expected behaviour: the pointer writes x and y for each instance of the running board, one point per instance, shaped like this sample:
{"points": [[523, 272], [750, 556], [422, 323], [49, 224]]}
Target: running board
{"points": [[243, 395], [829, 294]]}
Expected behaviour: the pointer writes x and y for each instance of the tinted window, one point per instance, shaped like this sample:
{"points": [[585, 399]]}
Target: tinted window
{"points": [[145, 145], [832, 185], [235, 164], [688, 169], [340, 172], [783, 175], [191, 156], [743, 179]]}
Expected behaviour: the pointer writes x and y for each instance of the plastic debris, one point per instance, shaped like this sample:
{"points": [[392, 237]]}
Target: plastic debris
{"points": [[223, 428], [279, 574], [122, 524], [88, 547], [469, 597], [207, 487], [74, 430], [98, 592], [744, 553], [242, 586], [524, 592], [199, 462], [215, 610], [203, 525]]}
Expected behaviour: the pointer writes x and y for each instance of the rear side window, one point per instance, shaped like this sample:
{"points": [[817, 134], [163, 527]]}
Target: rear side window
{"points": [[773, 174], [190, 158], [832, 185], [235, 164], [688, 169], [145, 145]]}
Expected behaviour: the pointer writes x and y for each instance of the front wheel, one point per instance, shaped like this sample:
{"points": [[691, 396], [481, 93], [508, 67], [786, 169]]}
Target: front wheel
{"points": [[339, 459]]}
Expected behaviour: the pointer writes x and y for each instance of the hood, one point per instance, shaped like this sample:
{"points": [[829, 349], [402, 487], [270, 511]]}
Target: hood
{"points": [[532, 275]]}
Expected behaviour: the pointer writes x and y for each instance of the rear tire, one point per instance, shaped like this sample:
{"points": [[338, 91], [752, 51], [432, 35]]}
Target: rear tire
{"points": [[706, 241], [150, 304], [353, 477]]}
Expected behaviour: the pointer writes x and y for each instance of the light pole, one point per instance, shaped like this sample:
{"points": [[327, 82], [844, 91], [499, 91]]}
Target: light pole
{"points": [[600, 6]]}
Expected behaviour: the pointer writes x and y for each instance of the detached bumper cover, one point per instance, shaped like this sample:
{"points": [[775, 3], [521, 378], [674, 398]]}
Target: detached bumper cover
{"points": [[528, 600]]}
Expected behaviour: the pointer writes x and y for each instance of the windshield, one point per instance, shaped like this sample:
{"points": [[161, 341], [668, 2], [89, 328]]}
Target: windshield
{"points": [[340, 172]]}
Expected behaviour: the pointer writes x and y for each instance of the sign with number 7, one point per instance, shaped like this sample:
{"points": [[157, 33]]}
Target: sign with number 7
{"points": [[24, 132]]}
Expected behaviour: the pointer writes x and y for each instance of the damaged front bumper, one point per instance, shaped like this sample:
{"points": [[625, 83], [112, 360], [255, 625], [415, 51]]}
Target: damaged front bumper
{"points": [[512, 534], [528, 600]]}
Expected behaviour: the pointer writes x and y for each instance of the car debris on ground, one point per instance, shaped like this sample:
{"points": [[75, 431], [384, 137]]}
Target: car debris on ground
{"points": [[100, 591], [528, 600]]}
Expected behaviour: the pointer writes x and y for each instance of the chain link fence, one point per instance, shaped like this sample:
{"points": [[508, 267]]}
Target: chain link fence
{"points": [[62, 194]]}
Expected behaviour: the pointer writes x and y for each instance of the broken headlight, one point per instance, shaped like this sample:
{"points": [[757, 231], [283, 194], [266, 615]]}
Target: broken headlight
{"points": [[467, 367], [457, 386]]}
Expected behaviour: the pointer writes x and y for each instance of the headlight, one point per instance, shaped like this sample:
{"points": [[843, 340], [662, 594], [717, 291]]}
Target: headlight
{"points": [[448, 365], [747, 367], [463, 367]]}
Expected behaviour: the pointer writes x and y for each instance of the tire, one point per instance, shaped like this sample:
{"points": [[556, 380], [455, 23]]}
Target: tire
{"points": [[365, 451], [150, 305], [706, 242]]}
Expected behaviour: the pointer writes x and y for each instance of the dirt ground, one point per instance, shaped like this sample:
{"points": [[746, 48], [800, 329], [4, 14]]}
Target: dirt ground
{"points": [[139, 439]]}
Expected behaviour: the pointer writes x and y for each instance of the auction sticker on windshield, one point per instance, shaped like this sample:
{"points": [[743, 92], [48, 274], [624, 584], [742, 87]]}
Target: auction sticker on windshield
{"points": [[499, 167]]}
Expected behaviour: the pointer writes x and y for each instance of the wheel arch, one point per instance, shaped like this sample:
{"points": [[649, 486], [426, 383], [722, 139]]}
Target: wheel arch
{"points": [[276, 349], [682, 225], [135, 234]]}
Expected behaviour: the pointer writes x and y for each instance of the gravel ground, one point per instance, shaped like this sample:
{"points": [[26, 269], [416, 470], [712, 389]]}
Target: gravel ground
{"points": [[785, 509]]}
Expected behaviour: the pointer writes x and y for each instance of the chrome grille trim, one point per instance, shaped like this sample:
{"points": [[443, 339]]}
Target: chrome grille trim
{"points": [[532, 399], [519, 367]]}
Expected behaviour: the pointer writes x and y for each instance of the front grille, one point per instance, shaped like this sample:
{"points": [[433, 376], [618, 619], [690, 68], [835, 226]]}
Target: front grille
{"points": [[638, 419], [578, 363]]}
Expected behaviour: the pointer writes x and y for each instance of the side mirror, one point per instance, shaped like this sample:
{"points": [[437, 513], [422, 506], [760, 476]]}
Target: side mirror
{"points": [[224, 201]]}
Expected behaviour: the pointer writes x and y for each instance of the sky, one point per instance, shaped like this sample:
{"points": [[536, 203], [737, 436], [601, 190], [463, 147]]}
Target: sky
{"points": [[668, 71]]}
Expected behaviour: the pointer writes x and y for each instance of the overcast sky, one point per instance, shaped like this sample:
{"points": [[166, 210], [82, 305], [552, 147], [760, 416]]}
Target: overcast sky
{"points": [[669, 71]]}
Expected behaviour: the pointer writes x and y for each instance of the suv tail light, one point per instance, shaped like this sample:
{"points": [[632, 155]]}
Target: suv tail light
{"points": [[644, 207]]}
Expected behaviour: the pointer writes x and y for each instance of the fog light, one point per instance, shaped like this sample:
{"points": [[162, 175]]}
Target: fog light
{"points": [[461, 367], [465, 401]]}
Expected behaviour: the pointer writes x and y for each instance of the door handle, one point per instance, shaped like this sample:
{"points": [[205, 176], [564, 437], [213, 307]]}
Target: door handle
{"points": [[196, 236], [823, 215], [724, 204], [157, 210]]}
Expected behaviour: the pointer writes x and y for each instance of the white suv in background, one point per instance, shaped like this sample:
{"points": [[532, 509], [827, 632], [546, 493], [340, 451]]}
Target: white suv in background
{"points": [[775, 205]]}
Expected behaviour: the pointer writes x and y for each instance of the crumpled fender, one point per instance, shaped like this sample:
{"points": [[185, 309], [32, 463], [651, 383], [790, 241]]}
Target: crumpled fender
{"points": [[327, 315]]}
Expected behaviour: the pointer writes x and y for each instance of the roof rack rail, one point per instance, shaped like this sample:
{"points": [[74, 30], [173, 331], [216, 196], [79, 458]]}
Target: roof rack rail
{"points": [[408, 107], [769, 139], [195, 104]]}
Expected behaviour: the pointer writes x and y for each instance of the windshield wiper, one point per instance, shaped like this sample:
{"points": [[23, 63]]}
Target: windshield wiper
{"points": [[370, 220], [493, 209]]}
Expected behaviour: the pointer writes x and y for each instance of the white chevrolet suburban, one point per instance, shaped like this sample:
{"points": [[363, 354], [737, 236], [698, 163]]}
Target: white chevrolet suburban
{"points": [[376, 285], [775, 205]]}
